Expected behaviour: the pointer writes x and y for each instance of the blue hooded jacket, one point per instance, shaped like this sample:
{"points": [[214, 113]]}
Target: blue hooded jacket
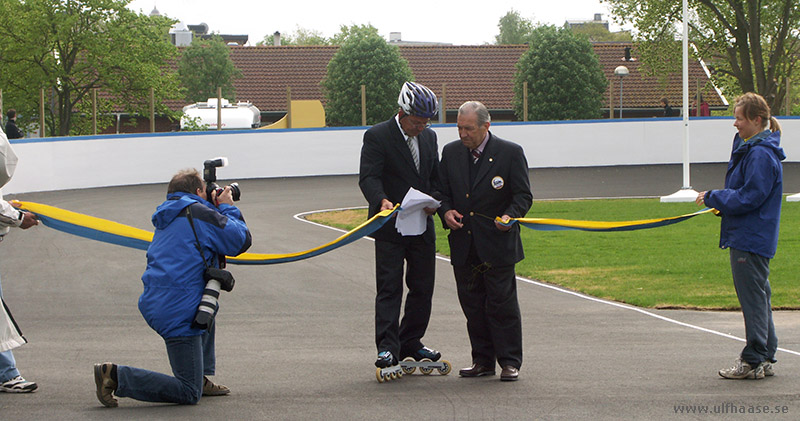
{"points": [[173, 280], [750, 203]]}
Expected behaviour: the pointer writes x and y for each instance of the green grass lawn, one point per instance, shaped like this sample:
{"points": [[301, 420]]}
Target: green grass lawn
{"points": [[677, 266]]}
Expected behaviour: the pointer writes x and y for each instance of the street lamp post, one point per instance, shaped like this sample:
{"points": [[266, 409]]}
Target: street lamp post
{"points": [[620, 71]]}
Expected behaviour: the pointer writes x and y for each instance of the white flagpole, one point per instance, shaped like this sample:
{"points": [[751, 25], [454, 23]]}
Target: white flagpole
{"points": [[686, 193]]}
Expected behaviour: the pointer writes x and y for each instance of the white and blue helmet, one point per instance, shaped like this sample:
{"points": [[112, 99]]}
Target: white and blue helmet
{"points": [[416, 99]]}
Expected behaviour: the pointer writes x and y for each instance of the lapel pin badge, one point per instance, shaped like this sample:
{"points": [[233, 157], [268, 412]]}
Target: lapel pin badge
{"points": [[498, 182]]}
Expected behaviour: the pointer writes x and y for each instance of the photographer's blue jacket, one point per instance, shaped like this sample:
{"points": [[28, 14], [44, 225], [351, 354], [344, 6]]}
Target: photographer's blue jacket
{"points": [[173, 280], [750, 203]]}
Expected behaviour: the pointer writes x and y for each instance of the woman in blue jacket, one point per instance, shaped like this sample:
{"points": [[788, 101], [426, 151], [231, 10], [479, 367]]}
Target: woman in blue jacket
{"points": [[173, 287], [750, 206]]}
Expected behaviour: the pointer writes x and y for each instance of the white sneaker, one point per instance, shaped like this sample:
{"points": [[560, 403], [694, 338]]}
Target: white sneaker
{"points": [[743, 370], [18, 385], [768, 369]]}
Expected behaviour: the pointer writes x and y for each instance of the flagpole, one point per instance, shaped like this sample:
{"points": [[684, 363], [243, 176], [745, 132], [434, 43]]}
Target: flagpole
{"points": [[686, 193]]}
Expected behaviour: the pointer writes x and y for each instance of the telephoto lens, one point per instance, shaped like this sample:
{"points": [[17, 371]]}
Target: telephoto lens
{"points": [[208, 306]]}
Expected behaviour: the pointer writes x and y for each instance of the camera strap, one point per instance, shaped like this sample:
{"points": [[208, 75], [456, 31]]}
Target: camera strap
{"points": [[196, 240]]}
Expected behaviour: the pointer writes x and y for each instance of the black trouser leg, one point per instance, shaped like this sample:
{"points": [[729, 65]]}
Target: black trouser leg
{"points": [[420, 272]]}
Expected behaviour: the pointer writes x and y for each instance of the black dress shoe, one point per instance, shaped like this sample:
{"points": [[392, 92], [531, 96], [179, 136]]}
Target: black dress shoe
{"points": [[476, 370], [509, 374]]}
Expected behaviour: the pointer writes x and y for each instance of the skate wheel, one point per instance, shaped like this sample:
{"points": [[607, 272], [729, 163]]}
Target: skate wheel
{"points": [[407, 369], [392, 376], [379, 375], [426, 370], [446, 369]]}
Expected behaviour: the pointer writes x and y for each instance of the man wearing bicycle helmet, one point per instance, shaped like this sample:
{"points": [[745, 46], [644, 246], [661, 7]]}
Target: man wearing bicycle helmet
{"points": [[396, 155]]}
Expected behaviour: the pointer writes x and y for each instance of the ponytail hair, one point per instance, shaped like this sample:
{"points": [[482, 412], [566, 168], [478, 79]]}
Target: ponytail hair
{"points": [[754, 105], [774, 125]]}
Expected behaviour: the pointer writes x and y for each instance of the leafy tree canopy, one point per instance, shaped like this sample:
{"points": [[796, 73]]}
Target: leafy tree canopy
{"points": [[514, 29], [300, 36], [70, 47], [206, 65], [565, 80], [597, 32], [751, 46], [365, 58]]}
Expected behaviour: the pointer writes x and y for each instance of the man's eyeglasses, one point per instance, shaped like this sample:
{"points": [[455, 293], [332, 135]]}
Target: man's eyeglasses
{"points": [[426, 124], [419, 124], [423, 124]]}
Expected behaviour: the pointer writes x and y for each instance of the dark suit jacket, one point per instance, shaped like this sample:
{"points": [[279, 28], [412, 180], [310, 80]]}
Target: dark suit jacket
{"points": [[12, 132], [387, 171], [501, 187]]}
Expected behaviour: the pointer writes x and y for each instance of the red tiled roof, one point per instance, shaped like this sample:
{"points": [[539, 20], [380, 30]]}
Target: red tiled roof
{"points": [[268, 70], [483, 73], [643, 91]]}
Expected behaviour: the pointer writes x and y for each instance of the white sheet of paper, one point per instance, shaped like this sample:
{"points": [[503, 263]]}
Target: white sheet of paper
{"points": [[412, 219]]}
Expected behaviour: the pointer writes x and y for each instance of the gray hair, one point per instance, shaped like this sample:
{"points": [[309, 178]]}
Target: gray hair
{"points": [[478, 108]]}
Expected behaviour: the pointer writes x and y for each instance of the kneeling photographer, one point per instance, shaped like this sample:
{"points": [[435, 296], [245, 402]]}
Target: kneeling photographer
{"points": [[185, 262]]}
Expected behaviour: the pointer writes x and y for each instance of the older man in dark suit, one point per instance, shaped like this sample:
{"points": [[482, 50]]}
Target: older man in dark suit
{"points": [[483, 177], [397, 155]]}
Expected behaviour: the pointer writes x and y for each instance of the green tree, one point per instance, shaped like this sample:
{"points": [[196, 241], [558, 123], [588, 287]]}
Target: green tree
{"points": [[270, 40], [752, 46], [565, 80], [365, 58], [205, 66], [300, 36], [514, 29], [597, 32], [309, 37], [71, 47]]}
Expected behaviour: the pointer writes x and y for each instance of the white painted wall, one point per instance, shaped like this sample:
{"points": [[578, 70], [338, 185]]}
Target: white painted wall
{"points": [[95, 161]]}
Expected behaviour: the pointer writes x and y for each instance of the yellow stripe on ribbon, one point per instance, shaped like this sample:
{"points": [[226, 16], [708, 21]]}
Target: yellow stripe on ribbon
{"points": [[366, 228], [89, 226], [552, 224], [124, 235]]}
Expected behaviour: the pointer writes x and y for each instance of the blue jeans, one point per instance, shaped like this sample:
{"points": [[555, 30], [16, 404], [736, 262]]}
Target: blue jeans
{"points": [[8, 367], [190, 357]]}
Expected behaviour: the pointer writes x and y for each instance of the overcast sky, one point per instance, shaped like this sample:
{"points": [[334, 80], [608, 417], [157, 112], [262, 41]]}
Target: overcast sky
{"points": [[454, 22]]}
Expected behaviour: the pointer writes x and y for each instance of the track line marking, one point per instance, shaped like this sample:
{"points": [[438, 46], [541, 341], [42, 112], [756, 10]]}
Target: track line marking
{"points": [[300, 217]]}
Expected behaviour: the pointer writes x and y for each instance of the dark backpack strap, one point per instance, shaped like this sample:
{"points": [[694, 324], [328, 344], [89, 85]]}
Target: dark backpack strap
{"points": [[196, 240]]}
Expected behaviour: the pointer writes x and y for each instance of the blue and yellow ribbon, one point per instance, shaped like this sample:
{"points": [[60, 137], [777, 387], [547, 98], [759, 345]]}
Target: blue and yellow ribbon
{"points": [[552, 224], [366, 228], [88, 226], [124, 235]]}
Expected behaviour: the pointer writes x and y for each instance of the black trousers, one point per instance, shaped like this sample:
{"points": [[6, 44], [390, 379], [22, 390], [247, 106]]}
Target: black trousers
{"points": [[488, 297], [403, 338]]}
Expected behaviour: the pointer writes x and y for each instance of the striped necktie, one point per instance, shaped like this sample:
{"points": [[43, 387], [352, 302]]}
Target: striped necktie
{"points": [[476, 154], [414, 152]]}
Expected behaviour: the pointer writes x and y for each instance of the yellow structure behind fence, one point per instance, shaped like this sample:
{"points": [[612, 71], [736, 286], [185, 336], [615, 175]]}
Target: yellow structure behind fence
{"points": [[303, 114]]}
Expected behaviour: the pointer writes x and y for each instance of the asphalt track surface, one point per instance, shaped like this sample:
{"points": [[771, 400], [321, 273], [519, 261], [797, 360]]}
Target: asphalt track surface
{"points": [[296, 341]]}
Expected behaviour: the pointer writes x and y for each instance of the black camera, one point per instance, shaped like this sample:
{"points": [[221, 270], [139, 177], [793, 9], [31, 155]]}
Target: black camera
{"points": [[210, 177]]}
